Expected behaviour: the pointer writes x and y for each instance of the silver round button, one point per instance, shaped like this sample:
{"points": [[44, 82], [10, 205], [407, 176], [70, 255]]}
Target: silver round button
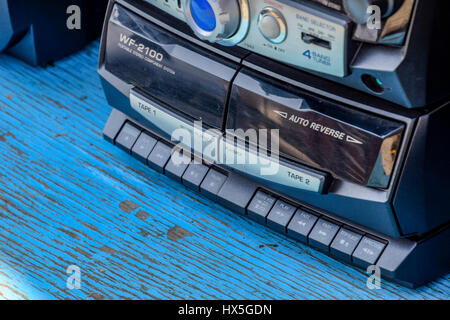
{"points": [[272, 25], [221, 21]]}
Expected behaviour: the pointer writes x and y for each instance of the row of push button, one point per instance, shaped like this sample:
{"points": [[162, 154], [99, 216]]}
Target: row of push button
{"points": [[260, 206], [320, 233], [165, 159]]}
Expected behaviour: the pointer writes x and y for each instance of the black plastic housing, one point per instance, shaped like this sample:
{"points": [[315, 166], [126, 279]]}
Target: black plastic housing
{"points": [[408, 213]]}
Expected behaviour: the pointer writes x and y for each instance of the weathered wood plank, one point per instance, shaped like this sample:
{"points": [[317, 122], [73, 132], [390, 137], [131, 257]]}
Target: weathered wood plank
{"points": [[68, 197]]}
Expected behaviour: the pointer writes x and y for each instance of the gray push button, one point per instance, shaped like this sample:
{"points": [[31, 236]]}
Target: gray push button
{"points": [[212, 183], [177, 165], [159, 156], [367, 252], [280, 215], [260, 206], [194, 175], [113, 125], [236, 193], [127, 137], [322, 234], [300, 225], [143, 146], [344, 244]]}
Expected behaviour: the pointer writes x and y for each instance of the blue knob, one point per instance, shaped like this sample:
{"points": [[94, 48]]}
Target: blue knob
{"points": [[203, 14]]}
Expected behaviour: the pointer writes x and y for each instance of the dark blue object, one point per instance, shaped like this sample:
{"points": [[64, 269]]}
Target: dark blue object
{"points": [[203, 14], [37, 31]]}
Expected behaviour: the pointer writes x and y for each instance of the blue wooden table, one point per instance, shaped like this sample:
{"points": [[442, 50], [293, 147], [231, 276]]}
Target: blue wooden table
{"points": [[67, 197]]}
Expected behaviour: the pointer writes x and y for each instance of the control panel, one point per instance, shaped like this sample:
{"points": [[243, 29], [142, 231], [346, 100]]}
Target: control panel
{"points": [[302, 33]]}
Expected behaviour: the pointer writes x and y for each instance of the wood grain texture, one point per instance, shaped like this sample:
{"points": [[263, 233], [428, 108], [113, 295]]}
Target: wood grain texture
{"points": [[69, 197]]}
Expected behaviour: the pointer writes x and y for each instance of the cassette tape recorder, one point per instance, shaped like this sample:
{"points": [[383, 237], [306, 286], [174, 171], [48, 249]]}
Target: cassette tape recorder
{"points": [[38, 31], [324, 120]]}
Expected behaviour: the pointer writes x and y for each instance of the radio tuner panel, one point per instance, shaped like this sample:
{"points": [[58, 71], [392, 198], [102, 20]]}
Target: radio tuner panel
{"points": [[306, 36]]}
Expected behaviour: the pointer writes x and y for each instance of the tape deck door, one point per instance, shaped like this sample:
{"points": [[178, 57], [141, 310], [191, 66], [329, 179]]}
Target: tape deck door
{"points": [[351, 145], [170, 69]]}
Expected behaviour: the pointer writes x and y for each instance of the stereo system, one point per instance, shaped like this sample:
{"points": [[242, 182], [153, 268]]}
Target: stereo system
{"points": [[356, 91], [332, 39], [38, 33]]}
